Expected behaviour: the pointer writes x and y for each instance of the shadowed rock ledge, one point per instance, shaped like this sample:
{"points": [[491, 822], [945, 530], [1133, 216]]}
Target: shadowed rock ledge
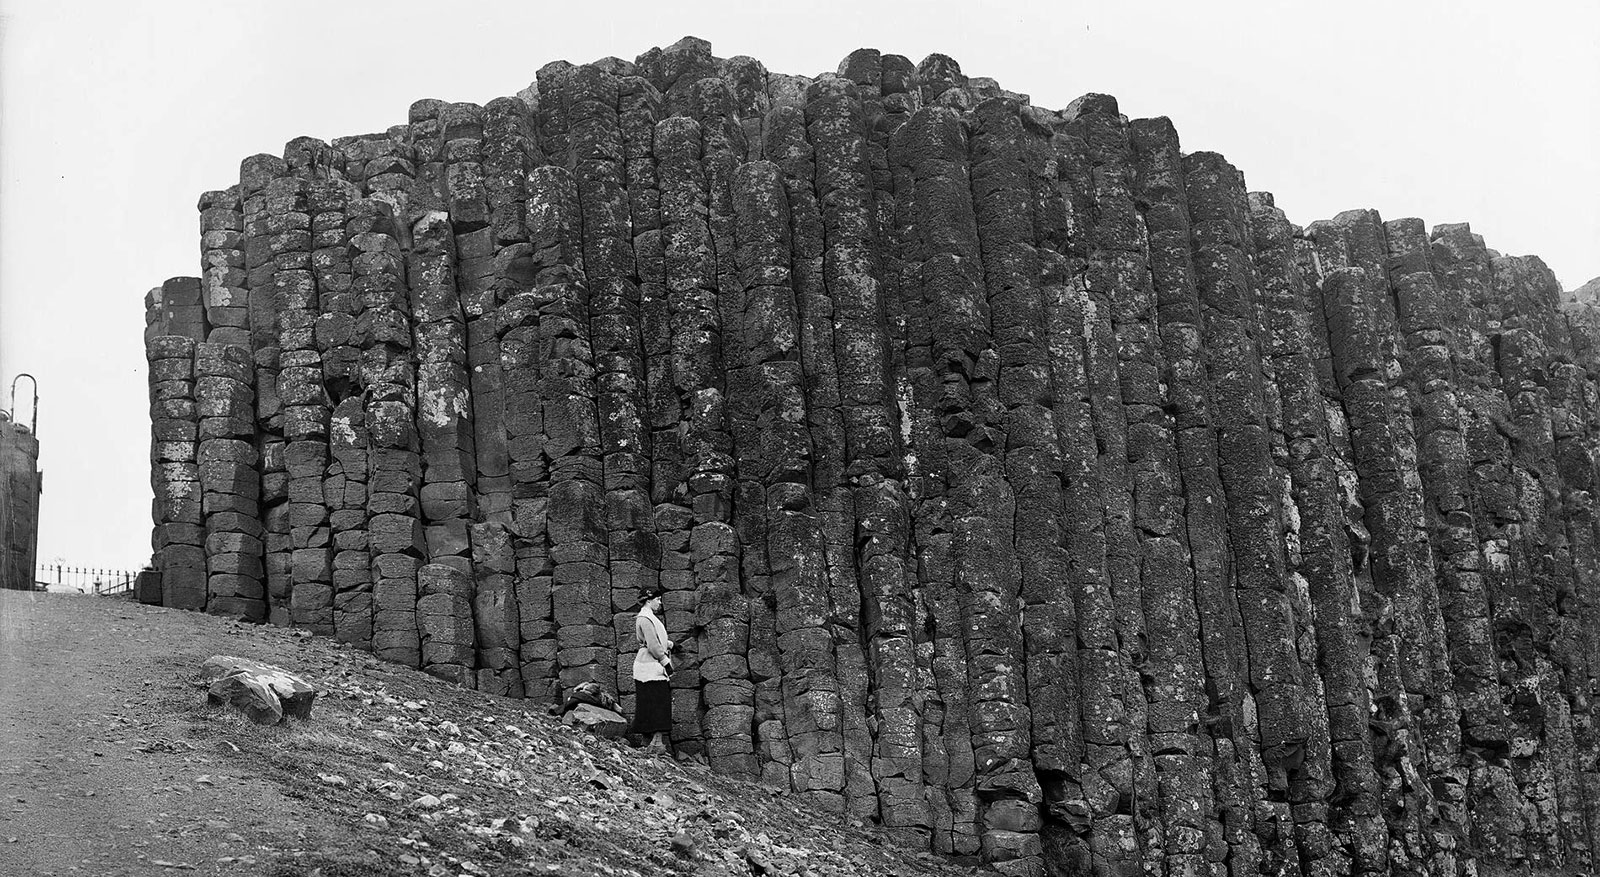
{"points": [[1018, 481]]}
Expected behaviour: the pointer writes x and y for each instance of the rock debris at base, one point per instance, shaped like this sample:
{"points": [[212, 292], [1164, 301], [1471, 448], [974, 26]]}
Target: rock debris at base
{"points": [[1018, 482], [116, 764]]}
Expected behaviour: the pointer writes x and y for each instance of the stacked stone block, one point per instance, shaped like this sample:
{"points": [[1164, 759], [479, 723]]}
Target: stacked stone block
{"points": [[395, 539], [178, 538], [229, 481], [1018, 482], [224, 288]]}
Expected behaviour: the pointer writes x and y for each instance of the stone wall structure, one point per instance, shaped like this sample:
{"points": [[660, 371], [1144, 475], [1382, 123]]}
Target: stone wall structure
{"points": [[21, 482], [1017, 481]]}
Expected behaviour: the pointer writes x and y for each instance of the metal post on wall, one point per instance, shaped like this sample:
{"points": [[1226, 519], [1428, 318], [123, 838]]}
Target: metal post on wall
{"points": [[33, 420]]}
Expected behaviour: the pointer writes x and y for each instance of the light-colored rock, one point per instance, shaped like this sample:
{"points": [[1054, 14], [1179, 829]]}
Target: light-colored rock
{"points": [[264, 692], [596, 720]]}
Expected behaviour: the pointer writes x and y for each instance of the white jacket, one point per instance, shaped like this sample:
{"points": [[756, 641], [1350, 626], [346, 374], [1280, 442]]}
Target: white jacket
{"points": [[653, 661]]}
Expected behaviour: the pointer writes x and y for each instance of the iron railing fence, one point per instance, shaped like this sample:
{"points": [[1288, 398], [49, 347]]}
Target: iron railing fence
{"points": [[84, 579]]}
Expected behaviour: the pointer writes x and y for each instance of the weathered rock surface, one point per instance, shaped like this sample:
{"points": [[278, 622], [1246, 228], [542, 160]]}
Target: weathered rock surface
{"points": [[1016, 481], [597, 720], [264, 692]]}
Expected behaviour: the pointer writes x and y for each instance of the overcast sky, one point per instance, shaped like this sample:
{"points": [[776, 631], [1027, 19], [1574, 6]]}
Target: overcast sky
{"points": [[115, 116]]}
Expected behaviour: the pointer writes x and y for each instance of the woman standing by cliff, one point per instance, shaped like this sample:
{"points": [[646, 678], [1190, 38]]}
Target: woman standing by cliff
{"points": [[652, 670]]}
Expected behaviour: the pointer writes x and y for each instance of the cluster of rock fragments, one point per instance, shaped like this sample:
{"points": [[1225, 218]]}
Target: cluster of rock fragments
{"points": [[1017, 481]]}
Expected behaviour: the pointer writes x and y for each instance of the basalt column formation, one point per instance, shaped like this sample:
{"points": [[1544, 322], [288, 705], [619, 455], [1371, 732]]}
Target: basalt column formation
{"points": [[20, 485], [1017, 481]]}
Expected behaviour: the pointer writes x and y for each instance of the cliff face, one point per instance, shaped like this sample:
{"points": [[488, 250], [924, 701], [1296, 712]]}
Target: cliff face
{"points": [[1017, 480], [20, 485]]}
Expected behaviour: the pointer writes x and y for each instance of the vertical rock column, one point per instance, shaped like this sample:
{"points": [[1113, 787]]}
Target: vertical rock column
{"points": [[506, 145], [1575, 418], [1461, 267], [1219, 627], [1356, 362], [1276, 690], [887, 557], [507, 273], [693, 483], [440, 277], [1408, 559], [1003, 197], [230, 482], [867, 557], [897, 627], [1410, 710], [392, 176], [444, 618], [345, 485], [639, 104], [581, 584], [223, 285], [1333, 789], [1059, 728], [596, 140], [1319, 250], [788, 147], [444, 429], [1573, 413], [1302, 771], [747, 82], [394, 468], [1531, 341], [483, 212], [718, 497], [1120, 759], [518, 321], [816, 544], [977, 642], [235, 540], [425, 185], [1187, 462], [922, 183], [567, 419], [550, 111], [1079, 800], [776, 509], [255, 173], [1428, 318], [174, 472], [303, 395]]}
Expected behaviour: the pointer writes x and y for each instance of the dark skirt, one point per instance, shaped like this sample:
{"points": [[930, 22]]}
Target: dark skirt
{"points": [[652, 708]]}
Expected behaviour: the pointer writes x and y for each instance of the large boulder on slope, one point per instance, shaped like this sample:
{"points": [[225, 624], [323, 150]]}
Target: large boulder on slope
{"points": [[261, 691]]}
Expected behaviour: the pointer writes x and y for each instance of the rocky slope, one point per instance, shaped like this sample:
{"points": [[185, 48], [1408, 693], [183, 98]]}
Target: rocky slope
{"points": [[115, 764], [1020, 483]]}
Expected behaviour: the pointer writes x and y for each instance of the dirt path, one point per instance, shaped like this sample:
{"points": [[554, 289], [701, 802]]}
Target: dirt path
{"points": [[97, 771]]}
